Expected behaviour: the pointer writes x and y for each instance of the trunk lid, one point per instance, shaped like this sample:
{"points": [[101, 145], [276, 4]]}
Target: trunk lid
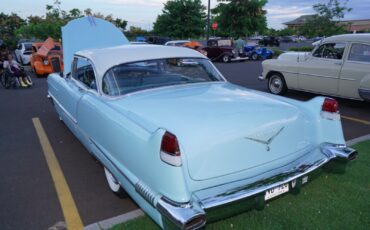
{"points": [[222, 128]]}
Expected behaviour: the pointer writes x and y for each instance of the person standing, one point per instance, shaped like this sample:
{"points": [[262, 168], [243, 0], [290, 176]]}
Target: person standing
{"points": [[239, 46]]}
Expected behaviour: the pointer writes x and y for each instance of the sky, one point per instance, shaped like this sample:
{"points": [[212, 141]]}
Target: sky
{"points": [[144, 12]]}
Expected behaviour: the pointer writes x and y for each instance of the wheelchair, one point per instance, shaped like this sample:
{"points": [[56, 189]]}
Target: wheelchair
{"points": [[7, 80]]}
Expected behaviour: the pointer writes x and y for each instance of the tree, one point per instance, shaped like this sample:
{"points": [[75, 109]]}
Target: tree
{"points": [[325, 21], [50, 24], [238, 18], [8, 25], [181, 19]]}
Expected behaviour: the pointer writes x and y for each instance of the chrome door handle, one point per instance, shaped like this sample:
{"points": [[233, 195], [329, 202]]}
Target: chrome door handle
{"points": [[338, 63]]}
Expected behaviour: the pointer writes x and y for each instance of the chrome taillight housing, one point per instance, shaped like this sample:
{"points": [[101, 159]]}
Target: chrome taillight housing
{"points": [[170, 149]]}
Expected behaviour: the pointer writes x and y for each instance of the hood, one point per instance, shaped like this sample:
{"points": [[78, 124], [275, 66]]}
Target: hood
{"points": [[222, 127], [293, 56], [46, 47], [88, 33]]}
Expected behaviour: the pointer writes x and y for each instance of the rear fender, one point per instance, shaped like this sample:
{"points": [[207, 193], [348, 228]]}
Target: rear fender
{"points": [[328, 130], [365, 82]]}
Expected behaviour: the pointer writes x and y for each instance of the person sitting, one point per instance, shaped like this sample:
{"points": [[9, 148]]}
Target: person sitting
{"points": [[15, 69]]}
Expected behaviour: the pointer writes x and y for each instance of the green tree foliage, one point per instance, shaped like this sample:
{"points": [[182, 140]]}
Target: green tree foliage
{"points": [[325, 21], [181, 19], [238, 18], [8, 25], [136, 31], [50, 24]]}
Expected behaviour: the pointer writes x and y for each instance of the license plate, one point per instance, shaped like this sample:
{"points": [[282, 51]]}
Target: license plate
{"points": [[273, 192]]}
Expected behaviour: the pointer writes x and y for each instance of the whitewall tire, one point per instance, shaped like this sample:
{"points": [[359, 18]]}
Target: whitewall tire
{"points": [[113, 184]]}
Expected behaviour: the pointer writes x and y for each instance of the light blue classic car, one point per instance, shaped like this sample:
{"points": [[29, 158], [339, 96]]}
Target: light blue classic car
{"points": [[185, 144]]}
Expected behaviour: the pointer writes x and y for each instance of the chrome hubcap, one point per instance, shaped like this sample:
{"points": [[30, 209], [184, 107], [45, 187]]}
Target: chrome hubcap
{"points": [[276, 84]]}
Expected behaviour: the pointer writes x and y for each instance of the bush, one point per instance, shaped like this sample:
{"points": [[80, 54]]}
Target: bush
{"points": [[302, 49], [276, 51]]}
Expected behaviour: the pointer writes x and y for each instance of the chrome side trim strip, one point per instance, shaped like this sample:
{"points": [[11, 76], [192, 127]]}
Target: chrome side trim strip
{"points": [[63, 109], [145, 192], [316, 75], [347, 79]]}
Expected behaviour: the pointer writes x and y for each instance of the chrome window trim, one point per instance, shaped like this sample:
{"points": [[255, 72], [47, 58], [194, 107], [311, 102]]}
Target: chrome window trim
{"points": [[97, 91], [321, 58], [102, 94], [349, 50]]}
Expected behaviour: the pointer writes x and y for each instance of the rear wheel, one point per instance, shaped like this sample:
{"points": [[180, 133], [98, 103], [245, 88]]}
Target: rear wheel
{"points": [[113, 184], [276, 84]]}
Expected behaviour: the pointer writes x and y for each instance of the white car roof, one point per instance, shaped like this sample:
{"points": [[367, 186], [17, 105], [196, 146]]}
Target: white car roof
{"points": [[176, 41], [105, 58], [349, 38]]}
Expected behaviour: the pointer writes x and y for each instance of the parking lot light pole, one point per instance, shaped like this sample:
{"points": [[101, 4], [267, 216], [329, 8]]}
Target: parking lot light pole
{"points": [[208, 19]]}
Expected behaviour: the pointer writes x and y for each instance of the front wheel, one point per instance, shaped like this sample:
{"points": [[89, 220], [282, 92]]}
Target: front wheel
{"points": [[254, 57], [276, 84], [114, 186], [225, 58]]}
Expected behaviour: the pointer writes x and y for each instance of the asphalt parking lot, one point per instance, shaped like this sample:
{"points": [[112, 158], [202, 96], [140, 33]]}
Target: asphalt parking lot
{"points": [[28, 197]]}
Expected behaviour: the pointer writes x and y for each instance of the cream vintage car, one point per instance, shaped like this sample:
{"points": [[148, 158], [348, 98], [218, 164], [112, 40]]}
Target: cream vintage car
{"points": [[339, 66]]}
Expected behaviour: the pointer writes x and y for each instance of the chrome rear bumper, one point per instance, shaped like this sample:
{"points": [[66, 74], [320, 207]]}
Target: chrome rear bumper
{"points": [[194, 214]]}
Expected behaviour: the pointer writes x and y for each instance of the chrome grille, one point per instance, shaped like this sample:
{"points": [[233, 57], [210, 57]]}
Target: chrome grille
{"points": [[55, 63]]}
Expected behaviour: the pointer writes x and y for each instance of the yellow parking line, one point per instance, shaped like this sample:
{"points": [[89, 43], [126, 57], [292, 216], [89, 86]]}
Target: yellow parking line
{"points": [[356, 120], [70, 212]]}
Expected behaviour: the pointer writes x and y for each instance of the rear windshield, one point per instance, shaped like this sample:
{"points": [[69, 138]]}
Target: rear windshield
{"points": [[132, 77], [28, 46]]}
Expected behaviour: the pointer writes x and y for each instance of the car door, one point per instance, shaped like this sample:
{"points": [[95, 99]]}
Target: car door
{"points": [[73, 91], [355, 68], [213, 51], [320, 71]]}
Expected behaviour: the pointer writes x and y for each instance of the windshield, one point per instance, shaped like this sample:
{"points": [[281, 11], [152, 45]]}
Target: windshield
{"points": [[56, 48], [132, 77], [28, 46]]}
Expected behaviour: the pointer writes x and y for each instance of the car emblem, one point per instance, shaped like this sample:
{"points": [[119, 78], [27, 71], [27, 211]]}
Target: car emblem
{"points": [[270, 136], [294, 183]]}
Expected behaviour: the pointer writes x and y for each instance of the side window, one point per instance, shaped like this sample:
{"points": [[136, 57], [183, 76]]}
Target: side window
{"points": [[212, 43], [359, 52], [330, 51], [83, 72]]}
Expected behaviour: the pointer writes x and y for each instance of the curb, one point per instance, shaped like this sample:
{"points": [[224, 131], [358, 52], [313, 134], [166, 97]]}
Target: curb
{"points": [[108, 223], [358, 140]]}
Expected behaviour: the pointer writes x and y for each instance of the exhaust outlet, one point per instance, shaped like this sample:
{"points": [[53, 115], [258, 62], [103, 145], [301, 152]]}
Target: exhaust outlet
{"points": [[333, 151]]}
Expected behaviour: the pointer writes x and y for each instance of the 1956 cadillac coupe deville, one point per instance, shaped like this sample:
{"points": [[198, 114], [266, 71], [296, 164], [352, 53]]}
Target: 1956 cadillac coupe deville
{"points": [[338, 66], [185, 144]]}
